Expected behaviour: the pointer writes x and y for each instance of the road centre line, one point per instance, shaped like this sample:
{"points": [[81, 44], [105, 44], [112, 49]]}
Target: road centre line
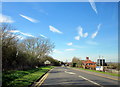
{"points": [[69, 72], [90, 81]]}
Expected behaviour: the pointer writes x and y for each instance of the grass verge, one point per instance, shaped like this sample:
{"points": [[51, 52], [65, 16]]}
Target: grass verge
{"points": [[19, 78], [112, 74]]}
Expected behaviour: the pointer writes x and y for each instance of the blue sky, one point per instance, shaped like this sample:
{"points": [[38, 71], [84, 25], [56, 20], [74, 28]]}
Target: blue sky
{"points": [[77, 28]]}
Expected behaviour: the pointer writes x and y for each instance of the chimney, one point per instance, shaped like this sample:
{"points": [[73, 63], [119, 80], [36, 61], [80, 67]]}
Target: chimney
{"points": [[87, 58]]}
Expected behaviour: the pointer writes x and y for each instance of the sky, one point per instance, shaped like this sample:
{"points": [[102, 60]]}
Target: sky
{"points": [[78, 29]]}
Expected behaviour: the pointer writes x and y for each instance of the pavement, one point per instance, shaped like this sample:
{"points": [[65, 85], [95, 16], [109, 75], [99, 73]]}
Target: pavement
{"points": [[69, 77]]}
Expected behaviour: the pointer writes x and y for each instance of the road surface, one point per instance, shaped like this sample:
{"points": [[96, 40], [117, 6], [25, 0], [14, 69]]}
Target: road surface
{"points": [[68, 77]]}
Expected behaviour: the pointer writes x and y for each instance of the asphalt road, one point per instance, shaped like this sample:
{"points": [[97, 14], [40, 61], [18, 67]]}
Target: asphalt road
{"points": [[68, 77]]}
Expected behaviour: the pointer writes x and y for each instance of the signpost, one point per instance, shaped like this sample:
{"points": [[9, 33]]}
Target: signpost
{"points": [[99, 68]]}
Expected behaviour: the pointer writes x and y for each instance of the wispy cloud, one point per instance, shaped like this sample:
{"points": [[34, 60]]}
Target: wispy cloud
{"points": [[70, 49], [14, 31], [43, 11], [43, 36], [77, 46], [99, 26], [95, 33], [25, 34], [5, 19], [80, 33], [53, 29], [77, 37], [16, 36], [69, 44], [20, 37], [29, 18], [92, 43], [85, 34], [92, 3], [56, 51]]}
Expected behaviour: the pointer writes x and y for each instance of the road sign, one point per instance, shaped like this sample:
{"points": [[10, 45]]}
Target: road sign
{"points": [[99, 68]]}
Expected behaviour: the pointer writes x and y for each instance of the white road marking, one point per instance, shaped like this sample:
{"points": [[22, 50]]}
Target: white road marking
{"points": [[65, 69], [91, 81], [69, 72]]}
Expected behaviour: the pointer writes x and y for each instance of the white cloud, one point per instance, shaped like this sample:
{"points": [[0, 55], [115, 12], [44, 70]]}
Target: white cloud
{"points": [[77, 37], [95, 33], [53, 29], [70, 49], [29, 18], [20, 37], [69, 44], [14, 31], [5, 19], [99, 26], [92, 3], [43, 36], [85, 35], [16, 36], [56, 51], [25, 34], [80, 31]]}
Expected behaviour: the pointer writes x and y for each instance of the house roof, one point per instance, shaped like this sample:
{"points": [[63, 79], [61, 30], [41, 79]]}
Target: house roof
{"points": [[88, 61]]}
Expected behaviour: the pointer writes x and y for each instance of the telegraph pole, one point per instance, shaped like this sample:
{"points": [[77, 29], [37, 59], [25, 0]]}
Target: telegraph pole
{"points": [[99, 62], [102, 62]]}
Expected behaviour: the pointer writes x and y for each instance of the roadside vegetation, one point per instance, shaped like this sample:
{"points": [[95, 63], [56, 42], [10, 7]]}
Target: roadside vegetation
{"points": [[113, 74], [23, 59], [20, 78], [77, 63]]}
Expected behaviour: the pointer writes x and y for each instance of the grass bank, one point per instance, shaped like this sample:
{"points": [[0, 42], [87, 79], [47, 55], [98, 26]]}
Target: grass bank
{"points": [[18, 78], [113, 74]]}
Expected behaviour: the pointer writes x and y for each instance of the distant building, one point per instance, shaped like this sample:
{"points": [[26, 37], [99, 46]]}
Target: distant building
{"points": [[101, 62], [88, 64], [47, 62]]}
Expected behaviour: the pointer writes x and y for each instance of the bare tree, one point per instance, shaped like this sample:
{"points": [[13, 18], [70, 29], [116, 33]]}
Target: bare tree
{"points": [[37, 46], [21, 54], [9, 45]]}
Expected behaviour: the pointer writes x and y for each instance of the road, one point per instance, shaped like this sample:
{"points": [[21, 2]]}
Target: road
{"points": [[68, 77]]}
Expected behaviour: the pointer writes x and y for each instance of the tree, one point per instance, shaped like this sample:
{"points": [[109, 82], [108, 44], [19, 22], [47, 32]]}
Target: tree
{"points": [[76, 62], [9, 46], [22, 54], [36, 47]]}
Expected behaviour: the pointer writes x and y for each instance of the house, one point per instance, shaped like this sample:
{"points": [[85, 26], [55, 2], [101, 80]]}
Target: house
{"points": [[47, 62], [88, 64]]}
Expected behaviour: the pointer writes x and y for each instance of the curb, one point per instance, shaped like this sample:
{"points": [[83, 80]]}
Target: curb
{"points": [[39, 81]]}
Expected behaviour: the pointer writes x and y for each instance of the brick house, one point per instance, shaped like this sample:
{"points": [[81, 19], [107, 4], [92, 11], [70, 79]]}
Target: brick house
{"points": [[88, 64]]}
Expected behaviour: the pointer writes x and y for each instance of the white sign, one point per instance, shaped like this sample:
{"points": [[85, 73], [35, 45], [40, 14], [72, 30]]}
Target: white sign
{"points": [[99, 68]]}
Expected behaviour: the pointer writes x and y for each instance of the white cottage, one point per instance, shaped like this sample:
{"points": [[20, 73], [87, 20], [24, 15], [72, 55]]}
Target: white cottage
{"points": [[47, 62]]}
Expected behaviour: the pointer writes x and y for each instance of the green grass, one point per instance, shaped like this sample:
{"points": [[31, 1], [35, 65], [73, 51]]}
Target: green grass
{"points": [[23, 78], [113, 74]]}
